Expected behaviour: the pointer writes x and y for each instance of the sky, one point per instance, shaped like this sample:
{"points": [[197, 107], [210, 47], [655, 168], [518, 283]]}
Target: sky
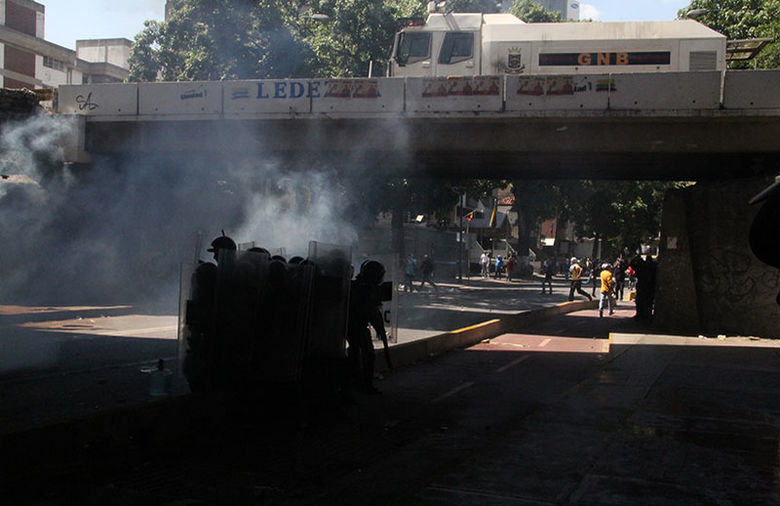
{"points": [[69, 20]]}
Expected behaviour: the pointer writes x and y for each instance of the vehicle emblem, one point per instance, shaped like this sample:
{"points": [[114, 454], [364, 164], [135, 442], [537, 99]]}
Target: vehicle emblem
{"points": [[514, 61]]}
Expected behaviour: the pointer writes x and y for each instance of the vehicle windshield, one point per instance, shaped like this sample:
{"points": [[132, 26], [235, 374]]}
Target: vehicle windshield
{"points": [[457, 47], [413, 46]]}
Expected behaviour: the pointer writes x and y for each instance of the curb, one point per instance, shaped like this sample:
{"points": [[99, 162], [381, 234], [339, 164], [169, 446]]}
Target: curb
{"points": [[410, 353]]}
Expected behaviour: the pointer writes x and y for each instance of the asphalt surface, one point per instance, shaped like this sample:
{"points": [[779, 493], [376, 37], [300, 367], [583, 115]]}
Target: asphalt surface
{"points": [[578, 409], [58, 363]]}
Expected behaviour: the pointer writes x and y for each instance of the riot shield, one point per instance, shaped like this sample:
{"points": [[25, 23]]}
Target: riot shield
{"points": [[196, 323], [247, 288], [245, 246], [186, 270], [262, 310], [281, 323], [327, 332], [225, 360], [327, 336]]}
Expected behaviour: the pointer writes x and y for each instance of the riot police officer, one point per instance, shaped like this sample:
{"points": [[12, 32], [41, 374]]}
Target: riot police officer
{"points": [[200, 316], [365, 309]]}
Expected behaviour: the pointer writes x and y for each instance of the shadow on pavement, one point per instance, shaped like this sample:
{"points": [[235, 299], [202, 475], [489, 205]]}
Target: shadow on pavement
{"points": [[651, 424]]}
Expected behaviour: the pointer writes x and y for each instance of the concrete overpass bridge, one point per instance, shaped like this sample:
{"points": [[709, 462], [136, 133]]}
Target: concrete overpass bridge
{"points": [[681, 125]]}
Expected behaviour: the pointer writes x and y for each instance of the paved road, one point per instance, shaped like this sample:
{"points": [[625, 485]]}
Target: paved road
{"points": [[63, 362], [558, 414]]}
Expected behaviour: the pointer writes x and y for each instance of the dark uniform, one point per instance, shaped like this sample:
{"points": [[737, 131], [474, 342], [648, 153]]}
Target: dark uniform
{"points": [[620, 266], [200, 319], [645, 269], [365, 309]]}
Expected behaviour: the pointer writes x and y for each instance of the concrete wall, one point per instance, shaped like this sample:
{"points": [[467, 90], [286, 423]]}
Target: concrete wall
{"points": [[692, 93], [708, 279], [53, 77], [113, 51]]}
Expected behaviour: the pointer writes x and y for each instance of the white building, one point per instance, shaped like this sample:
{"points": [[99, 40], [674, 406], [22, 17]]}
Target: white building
{"points": [[27, 60]]}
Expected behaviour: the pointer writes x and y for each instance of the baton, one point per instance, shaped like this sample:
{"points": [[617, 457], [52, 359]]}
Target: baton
{"points": [[387, 351]]}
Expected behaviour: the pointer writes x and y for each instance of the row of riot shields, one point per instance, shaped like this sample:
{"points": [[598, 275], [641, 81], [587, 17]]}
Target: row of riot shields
{"points": [[251, 320]]}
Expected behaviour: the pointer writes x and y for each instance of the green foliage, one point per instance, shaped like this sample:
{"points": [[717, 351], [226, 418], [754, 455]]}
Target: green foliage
{"points": [[744, 19], [623, 213], [484, 6], [224, 39], [359, 32], [220, 39], [143, 61], [407, 8], [533, 12]]}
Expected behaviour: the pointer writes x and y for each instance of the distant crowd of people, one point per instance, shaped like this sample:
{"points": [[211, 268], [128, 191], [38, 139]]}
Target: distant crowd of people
{"points": [[424, 271], [498, 266], [611, 279]]}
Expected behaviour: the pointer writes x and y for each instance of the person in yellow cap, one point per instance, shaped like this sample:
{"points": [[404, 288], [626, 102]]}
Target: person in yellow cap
{"points": [[607, 290]]}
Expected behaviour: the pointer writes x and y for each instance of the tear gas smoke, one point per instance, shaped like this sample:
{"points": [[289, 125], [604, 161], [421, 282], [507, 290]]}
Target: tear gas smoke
{"points": [[116, 232]]}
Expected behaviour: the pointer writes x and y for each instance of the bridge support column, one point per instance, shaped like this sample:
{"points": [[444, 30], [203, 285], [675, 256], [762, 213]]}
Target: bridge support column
{"points": [[74, 142], [709, 281]]}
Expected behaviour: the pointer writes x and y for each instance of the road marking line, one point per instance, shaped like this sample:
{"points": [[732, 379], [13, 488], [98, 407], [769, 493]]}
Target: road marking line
{"points": [[544, 343], [454, 391], [512, 363]]}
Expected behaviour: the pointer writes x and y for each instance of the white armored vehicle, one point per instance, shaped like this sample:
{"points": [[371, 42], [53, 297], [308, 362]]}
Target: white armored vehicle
{"points": [[493, 44]]}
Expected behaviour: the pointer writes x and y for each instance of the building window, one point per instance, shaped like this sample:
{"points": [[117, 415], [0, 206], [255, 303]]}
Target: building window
{"points": [[53, 63]]}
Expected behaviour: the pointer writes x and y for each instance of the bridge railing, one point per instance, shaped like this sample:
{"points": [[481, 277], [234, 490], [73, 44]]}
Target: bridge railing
{"points": [[372, 97]]}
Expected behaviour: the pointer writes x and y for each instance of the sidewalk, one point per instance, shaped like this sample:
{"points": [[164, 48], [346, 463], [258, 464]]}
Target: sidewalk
{"points": [[664, 420]]}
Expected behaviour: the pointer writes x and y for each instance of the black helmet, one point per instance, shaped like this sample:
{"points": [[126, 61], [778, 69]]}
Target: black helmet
{"points": [[222, 242], [372, 271]]}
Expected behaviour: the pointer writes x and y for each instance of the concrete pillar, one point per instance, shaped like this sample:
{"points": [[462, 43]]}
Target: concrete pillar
{"points": [[675, 306], [708, 278]]}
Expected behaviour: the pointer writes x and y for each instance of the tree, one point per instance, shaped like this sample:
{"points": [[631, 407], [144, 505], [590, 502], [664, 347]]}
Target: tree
{"points": [[359, 32], [743, 19], [143, 61], [616, 213], [533, 12], [408, 8], [484, 6], [533, 201], [220, 39]]}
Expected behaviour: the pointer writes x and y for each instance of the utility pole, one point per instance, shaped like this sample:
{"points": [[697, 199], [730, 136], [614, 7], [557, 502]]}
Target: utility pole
{"points": [[461, 205]]}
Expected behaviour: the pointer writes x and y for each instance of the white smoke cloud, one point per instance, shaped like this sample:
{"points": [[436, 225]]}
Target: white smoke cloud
{"points": [[25, 144], [115, 232], [295, 209]]}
